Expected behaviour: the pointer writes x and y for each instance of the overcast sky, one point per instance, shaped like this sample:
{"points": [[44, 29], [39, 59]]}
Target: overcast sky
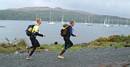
{"points": [[107, 7]]}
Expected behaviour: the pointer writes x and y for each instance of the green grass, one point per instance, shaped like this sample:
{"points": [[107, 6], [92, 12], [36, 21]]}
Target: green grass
{"points": [[116, 41], [59, 47], [21, 47]]}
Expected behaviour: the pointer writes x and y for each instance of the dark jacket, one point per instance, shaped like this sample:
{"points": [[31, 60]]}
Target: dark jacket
{"points": [[70, 32]]}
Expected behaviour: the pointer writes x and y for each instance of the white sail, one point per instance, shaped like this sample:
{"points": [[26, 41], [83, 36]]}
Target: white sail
{"points": [[127, 22], [85, 21], [62, 19], [50, 19], [106, 21]]}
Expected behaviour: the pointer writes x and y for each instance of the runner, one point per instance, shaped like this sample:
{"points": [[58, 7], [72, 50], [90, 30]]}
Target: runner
{"points": [[66, 33], [33, 31]]}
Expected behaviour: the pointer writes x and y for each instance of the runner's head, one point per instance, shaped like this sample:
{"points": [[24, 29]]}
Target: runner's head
{"points": [[72, 23], [38, 21]]}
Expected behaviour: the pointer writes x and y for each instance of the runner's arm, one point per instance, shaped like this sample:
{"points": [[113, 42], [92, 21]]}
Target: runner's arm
{"points": [[71, 32]]}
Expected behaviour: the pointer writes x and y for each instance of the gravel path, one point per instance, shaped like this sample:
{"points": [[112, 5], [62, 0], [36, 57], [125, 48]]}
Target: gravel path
{"points": [[101, 57]]}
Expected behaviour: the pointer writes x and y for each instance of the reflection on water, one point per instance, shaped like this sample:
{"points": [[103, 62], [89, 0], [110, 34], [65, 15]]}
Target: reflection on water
{"points": [[2, 26]]}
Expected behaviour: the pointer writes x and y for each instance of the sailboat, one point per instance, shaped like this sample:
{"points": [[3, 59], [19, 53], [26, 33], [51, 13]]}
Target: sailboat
{"points": [[117, 24], [126, 25], [85, 22], [50, 21], [106, 21], [88, 20], [62, 20]]}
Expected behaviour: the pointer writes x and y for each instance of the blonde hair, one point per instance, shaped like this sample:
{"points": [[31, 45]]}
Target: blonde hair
{"points": [[72, 21], [38, 20]]}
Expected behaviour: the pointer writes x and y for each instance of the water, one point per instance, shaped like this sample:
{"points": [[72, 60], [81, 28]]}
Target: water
{"points": [[85, 33]]}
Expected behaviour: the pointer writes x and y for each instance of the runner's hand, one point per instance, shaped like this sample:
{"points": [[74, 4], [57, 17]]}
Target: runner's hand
{"points": [[74, 36], [44, 35]]}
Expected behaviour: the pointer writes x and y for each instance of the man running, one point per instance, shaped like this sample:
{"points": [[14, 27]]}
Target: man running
{"points": [[66, 36], [34, 33]]}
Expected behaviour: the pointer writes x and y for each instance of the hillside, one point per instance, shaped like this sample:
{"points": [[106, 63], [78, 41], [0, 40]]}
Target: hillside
{"points": [[29, 13]]}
